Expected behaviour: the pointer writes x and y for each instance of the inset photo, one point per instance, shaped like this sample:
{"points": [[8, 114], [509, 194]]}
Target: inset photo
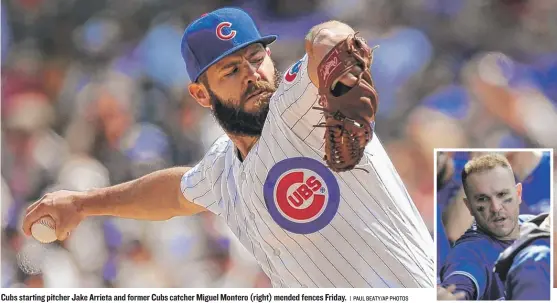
{"points": [[493, 224]]}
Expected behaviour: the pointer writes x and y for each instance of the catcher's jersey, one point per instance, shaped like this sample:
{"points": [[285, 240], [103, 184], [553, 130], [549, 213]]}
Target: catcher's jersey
{"points": [[306, 225]]}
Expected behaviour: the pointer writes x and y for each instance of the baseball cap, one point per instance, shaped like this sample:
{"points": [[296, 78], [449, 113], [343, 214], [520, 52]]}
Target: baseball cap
{"points": [[216, 35]]}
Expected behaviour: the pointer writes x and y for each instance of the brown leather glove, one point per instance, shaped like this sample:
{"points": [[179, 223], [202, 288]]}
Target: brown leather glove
{"points": [[349, 112]]}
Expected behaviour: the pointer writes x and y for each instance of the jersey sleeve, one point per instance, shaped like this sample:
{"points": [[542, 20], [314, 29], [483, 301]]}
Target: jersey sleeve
{"points": [[529, 275], [467, 269], [294, 99], [200, 185]]}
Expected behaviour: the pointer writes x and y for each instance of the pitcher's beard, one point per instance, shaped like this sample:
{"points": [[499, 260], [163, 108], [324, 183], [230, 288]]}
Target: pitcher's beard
{"points": [[235, 120]]}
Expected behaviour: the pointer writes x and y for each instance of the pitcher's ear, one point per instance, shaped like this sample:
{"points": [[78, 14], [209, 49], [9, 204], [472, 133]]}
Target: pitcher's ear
{"points": [[200, 94]]}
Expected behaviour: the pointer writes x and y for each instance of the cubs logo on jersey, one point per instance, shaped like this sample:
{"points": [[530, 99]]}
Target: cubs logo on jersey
{"points": [[302, 195], [293, 71]]}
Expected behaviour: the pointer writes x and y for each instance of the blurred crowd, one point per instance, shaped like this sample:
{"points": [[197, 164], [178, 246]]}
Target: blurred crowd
{"points": [[94, 94]]}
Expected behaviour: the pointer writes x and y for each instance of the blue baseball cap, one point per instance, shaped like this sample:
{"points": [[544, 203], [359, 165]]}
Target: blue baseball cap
{"points": [[218, 34]]}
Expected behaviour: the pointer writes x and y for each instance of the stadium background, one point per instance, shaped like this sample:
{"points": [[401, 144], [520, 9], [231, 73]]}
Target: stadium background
{"points": [[94, 93]]}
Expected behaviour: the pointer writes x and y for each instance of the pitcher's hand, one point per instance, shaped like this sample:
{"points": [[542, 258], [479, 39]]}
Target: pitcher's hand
{"points": [[61, 206]]}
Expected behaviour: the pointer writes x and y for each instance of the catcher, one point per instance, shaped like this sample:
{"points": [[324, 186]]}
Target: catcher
{"points": [[298, 177]]}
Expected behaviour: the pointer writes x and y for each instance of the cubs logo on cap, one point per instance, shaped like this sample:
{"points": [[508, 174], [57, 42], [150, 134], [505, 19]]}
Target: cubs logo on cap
{"points": [[216, 35], [302, 195], [222, 28]]}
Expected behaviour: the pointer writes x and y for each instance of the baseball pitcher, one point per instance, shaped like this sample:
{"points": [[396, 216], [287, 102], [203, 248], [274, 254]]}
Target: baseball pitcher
{"points": [[300, 177]]}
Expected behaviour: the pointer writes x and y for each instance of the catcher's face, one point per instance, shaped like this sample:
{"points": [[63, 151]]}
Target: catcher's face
{"points": [[494, 198], [238, 89]]}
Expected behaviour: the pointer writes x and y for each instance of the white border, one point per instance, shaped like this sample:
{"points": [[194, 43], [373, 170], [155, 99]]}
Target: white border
{"points": [[552, 213], [553, 292]]}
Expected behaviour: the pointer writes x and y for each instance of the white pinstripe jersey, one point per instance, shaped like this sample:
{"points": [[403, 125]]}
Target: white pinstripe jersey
{"points": [[305, 225]]}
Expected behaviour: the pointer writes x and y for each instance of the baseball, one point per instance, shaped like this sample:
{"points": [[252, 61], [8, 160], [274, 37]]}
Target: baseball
{"points": [[43, 230]]}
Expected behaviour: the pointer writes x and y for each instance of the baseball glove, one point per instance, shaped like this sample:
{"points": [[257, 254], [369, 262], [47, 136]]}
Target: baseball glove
{"points": [[349, 111]]}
